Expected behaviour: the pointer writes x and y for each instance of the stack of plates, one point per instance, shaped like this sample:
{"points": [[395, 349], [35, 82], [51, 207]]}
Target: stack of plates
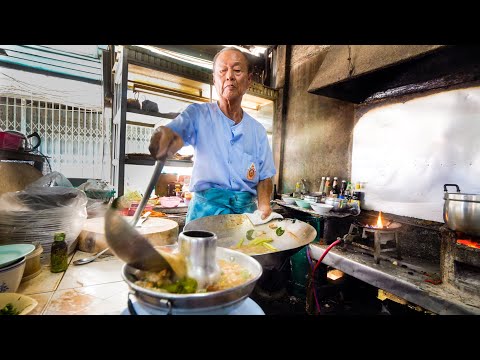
{"points": [[28, 227]]}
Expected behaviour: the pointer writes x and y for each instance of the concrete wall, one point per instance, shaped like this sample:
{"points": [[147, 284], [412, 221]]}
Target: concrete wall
{"points": [[318, 130]]}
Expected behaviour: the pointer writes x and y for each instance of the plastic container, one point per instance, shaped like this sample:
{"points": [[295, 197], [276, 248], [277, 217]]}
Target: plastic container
{"points": [[10, 141], [33, 265]]}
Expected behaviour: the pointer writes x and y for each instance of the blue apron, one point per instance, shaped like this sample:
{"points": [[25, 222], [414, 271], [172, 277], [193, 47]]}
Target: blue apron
{"points": [[218, 202]]}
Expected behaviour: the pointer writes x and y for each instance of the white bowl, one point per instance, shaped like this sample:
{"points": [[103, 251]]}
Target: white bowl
{"points": [[320, 208], [11, 275], [288, 200], [22, 303]]}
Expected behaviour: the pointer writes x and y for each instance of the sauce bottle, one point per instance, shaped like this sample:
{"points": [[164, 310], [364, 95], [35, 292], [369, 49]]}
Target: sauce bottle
{"points": [[58, 254], [322, 185]]}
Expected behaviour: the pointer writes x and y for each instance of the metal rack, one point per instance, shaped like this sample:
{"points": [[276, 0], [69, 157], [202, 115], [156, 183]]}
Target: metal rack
{"points": [[122, 116]]}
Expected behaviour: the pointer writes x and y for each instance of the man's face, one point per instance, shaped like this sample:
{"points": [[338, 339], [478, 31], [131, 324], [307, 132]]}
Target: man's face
{"points": [[230, 75]]}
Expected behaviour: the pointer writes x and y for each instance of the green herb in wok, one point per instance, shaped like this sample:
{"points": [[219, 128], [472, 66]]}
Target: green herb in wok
{"points": [[279, 231], [250, 234], [9, 309]]}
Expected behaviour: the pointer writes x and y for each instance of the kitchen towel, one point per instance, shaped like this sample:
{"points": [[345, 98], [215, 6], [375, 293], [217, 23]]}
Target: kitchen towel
{"points": [[256, 217]]}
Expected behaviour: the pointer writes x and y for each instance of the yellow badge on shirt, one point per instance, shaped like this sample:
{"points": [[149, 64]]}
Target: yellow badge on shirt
{"points": [[251, 172]]}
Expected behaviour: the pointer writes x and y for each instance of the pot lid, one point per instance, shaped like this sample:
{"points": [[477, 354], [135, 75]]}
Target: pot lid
{"points": [[462, 197]]}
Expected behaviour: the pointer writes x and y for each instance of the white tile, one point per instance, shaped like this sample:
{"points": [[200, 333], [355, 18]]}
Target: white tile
{"points": [[104, 299], [44, 282], [94, 273]]}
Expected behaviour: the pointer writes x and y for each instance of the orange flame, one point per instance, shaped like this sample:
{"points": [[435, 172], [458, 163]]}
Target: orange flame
{"points": [[379, 221], [469, 243]]}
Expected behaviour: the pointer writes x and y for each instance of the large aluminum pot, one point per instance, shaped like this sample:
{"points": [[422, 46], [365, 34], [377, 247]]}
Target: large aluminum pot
{"points": [[461, 211], [198, 303]]}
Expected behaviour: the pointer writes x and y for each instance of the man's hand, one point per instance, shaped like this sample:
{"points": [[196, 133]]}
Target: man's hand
{"points": [[266, 211], [164, 143]]}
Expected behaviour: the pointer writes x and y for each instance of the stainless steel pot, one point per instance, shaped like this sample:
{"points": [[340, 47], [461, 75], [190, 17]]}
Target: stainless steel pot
{"points": [[461, 211], [198, 303]]}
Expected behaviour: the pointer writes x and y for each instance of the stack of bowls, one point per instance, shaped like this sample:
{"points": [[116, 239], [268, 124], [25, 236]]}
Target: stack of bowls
{"points": [[302, 203], [12, 265], [321, 209], [311, 198], [288, 199]]}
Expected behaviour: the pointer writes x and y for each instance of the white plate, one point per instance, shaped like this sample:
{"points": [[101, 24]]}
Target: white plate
{"points": [[11, 253]]}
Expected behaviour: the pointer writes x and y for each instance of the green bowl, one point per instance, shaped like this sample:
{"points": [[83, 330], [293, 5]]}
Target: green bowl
{"points": [[302, 203]]}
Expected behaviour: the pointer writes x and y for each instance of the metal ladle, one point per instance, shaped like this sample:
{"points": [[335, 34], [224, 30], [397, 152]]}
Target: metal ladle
{"points": [[128, 244]]}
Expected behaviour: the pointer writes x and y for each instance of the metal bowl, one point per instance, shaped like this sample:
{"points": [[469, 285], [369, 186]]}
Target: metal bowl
{"points": [[198, 302]]}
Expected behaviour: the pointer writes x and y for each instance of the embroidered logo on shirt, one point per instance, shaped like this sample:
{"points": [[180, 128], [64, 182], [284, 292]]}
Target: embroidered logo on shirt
{"points": [[251, 172]]}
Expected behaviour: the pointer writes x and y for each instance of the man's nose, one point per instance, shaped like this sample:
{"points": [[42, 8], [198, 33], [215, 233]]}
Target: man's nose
{"points": [[230, 74]]}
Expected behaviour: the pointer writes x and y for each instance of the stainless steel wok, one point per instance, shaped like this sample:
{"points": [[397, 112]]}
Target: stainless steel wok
{"points": [[233, 227]]}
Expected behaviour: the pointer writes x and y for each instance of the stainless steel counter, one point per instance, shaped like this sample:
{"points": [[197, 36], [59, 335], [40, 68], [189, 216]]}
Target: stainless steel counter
{"points": [[407, 281]]}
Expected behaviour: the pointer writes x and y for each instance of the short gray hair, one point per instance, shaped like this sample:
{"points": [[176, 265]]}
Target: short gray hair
{"points": [[249, 64]]}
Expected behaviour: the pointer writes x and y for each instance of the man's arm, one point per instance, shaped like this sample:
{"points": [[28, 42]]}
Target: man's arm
{"points": [[264, 192]]}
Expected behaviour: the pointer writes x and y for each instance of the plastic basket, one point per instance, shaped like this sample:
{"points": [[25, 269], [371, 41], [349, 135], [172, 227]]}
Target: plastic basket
{"points": [[10, 141]]}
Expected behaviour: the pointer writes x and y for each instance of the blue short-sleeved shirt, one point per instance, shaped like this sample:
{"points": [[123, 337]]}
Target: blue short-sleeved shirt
{"points": [[227, 156]]}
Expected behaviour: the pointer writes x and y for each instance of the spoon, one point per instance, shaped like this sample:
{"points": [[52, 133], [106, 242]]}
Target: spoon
{"points": [[90, 258]]}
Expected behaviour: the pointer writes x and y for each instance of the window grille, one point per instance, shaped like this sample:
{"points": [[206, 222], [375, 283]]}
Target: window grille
{"points": [[76, 140]]}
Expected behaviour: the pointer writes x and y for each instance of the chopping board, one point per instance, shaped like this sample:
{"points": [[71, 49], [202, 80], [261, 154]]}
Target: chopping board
{"points": [[158, 231]]}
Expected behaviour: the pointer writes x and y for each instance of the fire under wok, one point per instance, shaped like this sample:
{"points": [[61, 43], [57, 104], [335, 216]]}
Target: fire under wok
{"points": [[231, 229]]}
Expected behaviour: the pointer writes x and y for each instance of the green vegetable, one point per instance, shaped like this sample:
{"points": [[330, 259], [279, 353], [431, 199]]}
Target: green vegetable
{"points": [[250, 234], [260, 240], [268, 246], [184, 286], [240, 242], [9, 310], [279, 231]]}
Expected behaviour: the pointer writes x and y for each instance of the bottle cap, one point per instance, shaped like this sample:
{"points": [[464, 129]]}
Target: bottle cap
{"points": [[59, 236]]}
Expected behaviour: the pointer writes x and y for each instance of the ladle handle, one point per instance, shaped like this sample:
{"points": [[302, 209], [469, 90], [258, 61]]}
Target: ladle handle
{"points": [[156, 173]]}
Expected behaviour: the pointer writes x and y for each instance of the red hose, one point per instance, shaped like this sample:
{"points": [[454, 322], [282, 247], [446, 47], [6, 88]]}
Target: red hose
{"points": [[336, 242]]}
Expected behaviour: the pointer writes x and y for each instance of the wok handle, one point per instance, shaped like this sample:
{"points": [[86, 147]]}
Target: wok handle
{"points": [[445, 187]]}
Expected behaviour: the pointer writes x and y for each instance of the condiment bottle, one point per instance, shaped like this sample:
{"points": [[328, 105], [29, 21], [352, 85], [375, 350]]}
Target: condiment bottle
{"points": [[58, 254], [327, 187], [297, 193], [322, 185]]}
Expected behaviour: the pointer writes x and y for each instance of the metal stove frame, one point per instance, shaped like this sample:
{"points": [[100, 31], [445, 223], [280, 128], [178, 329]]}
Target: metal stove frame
{"points": [[380, 236]]}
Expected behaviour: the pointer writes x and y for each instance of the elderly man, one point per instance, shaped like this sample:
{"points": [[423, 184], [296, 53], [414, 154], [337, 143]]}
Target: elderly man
{"points": [[233, 160]]}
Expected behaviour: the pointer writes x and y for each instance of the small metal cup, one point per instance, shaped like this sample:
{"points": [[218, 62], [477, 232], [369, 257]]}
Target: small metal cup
{"points": [[199, 249]]}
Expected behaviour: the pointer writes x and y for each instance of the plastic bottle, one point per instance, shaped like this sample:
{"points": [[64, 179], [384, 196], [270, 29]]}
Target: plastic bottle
{"points": [[327, 187], [297, 193], [334, 191], [59, 253], [343, 188], [322, 185]]}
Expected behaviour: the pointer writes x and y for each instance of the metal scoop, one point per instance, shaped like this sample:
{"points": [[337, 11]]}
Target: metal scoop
{"points": [[128, 244]]}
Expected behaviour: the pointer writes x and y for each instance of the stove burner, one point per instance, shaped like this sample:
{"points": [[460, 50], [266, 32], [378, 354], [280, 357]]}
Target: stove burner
{"points": [[381, 236]]}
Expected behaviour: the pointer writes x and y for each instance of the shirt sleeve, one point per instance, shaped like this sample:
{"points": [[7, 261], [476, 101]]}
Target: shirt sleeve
{"points": [[266, 165], [185, 125]]}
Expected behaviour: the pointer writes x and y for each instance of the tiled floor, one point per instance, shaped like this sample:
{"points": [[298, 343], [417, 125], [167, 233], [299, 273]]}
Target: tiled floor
{"points": [[90, 289]]}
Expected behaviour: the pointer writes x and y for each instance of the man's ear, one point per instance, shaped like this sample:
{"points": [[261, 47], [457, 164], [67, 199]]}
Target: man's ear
{"points": [[250, 79]]}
